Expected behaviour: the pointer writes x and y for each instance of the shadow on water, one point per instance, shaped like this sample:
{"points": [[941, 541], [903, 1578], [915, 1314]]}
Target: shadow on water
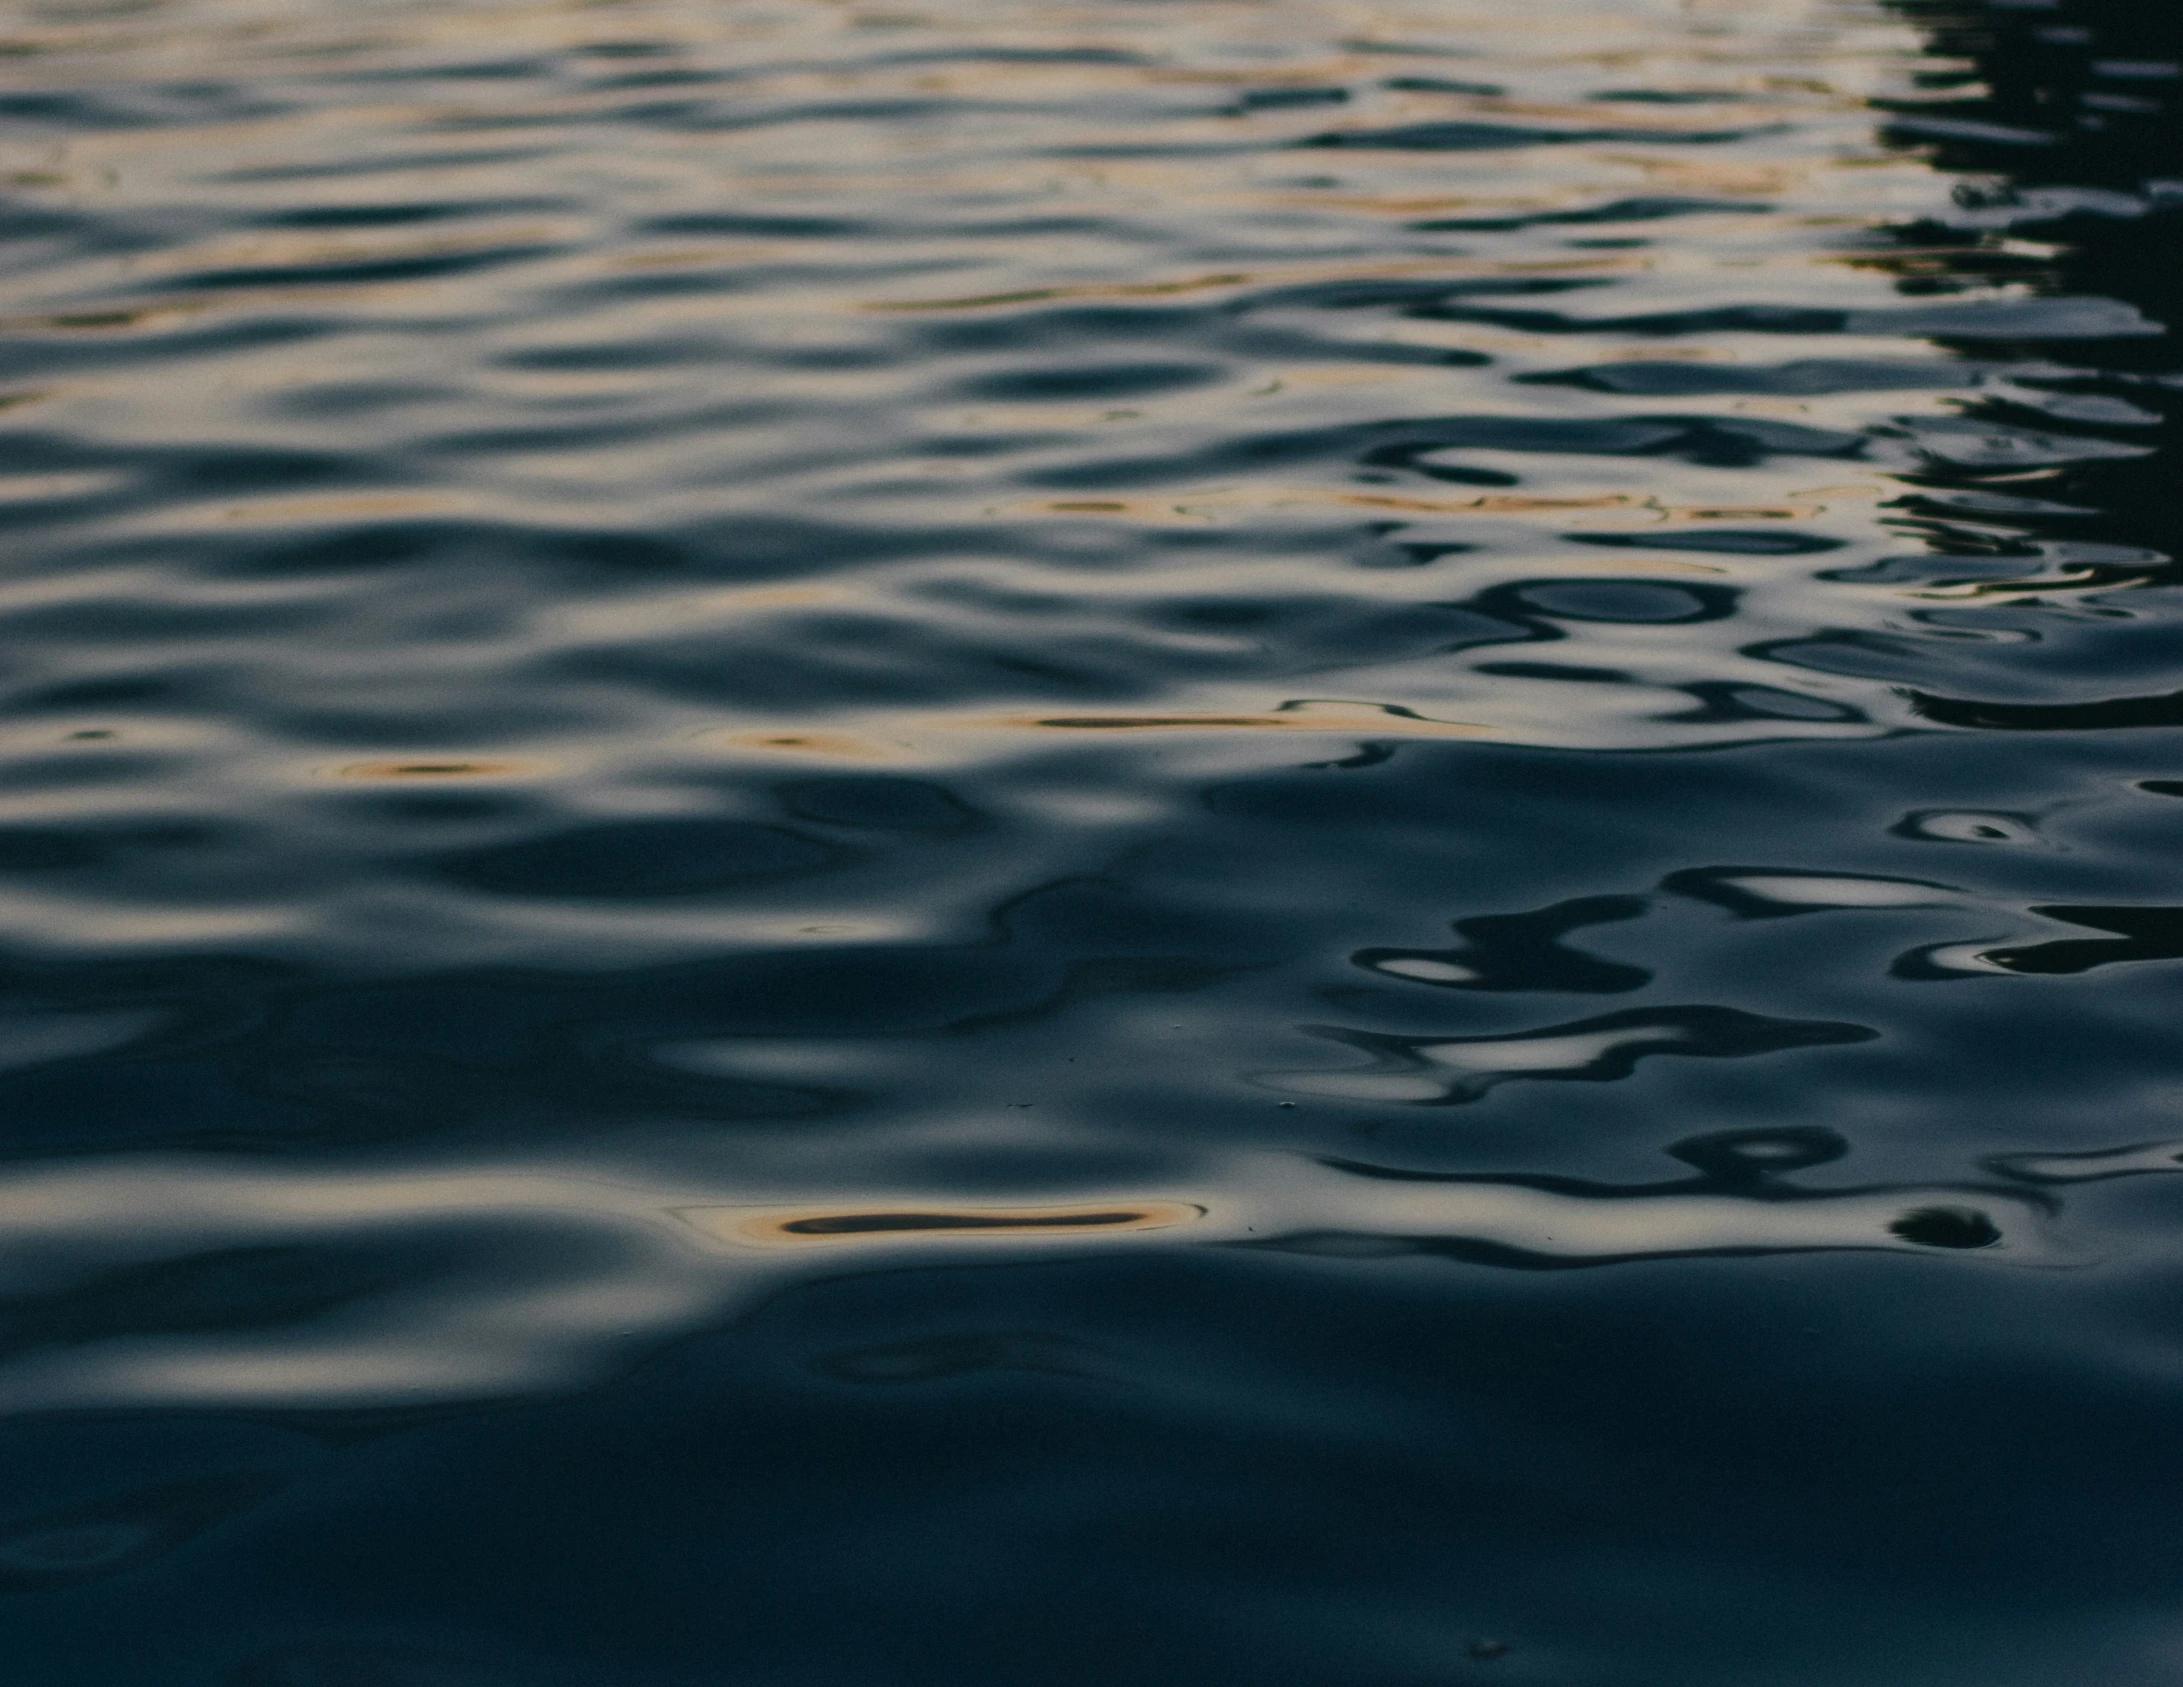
{"points": [[2064, 126]]}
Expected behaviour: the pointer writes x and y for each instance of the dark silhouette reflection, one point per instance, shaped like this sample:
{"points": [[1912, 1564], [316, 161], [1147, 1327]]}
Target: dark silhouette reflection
{"points": [[2065, 130], [2140, 934], [1520, 952], [2102, 715], [2081, 92]]}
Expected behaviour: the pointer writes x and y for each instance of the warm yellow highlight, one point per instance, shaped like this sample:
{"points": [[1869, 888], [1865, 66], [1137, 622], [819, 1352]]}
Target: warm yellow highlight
{"points": [[429, 769], [821, 1226], [843, 745]]}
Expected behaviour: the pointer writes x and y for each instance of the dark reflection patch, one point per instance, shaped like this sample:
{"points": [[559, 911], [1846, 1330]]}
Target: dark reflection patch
{"points": [[1644, 210], [1947, 1227], [2099, 714], [1496, 137], [101, 1538], [1719, 701], [1651, 601], [1731, 541], [1811, 376], [937, 1358], [1276, 99], [885, 1223], [34, 850], [246, 1288], [1449, 1071], [893, 805], [1520, 952], [1557, 671], [2140, 934], [1094, 381], [640, 858], [868, 1224], [1440, 85]]}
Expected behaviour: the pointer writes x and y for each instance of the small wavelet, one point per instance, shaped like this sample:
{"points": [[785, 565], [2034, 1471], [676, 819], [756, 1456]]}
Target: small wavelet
{"points": [[1462, 1069], [193, 1283]]}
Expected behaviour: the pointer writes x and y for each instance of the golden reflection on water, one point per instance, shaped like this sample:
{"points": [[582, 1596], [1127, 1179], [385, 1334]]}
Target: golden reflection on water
{"points": [[827, 746], [435, 771], [683, 1256], [804, 1227], [740, 279]]}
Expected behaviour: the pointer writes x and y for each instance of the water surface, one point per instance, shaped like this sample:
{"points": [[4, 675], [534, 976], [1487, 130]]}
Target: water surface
{"points": [[1184, 842]]}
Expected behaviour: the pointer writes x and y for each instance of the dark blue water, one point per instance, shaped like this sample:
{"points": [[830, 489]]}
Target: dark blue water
{"points": [[1312, 845]]}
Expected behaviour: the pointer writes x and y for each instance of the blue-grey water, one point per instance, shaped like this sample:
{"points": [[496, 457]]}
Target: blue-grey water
{"points": [[1060, 843]]}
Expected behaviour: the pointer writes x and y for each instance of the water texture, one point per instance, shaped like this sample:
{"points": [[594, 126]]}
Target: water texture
{"points": [[1147, 841]]}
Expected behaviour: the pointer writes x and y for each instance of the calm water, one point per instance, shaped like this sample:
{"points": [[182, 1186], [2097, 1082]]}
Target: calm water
{"points": [[1310, 844]]}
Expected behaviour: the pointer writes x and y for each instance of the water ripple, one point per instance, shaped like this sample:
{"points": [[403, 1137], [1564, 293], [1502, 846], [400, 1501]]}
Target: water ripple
{"points": [[1276, 843]]}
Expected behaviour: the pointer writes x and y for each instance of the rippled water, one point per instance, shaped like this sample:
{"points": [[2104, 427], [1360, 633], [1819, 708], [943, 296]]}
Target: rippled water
{"points": [[1084, 843]]}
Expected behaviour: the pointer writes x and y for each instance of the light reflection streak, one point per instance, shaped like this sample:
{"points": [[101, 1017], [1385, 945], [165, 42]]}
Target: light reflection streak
{"points": [[641, 1262]]}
